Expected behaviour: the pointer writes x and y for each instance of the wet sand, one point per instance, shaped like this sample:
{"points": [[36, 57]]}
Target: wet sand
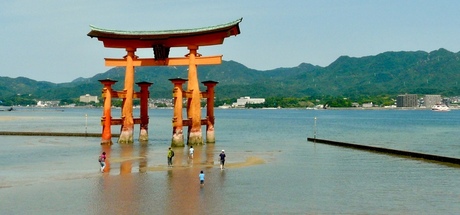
{"points": [[250, 161], [8, 118]]}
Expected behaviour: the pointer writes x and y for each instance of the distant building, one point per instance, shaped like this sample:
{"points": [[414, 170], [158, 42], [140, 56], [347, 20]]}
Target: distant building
{"points": [[407, 100], [368, 105], [88, 98], [242, 101], [41, 104], [47, 103], [431, 100]]}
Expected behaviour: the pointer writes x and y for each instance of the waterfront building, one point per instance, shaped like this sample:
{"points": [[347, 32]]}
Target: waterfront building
{"points": [[368, 105], [242, 101], [407, 100], [88, 98], [431, 100]]}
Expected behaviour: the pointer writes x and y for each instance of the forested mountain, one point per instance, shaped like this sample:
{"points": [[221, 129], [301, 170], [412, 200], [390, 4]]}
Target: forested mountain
{"points": [[390, 73]]}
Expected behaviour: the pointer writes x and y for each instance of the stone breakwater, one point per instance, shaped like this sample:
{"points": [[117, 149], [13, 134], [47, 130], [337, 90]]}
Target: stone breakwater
{"points": [[416, 155], [65, 134]]}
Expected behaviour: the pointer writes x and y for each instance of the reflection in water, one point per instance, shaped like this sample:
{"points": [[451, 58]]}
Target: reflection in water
{"points": [[222, 178], [210, 154], [184, 189], [185, 193], [143, 150], [178, 156], [119, 194], [126, 155], [180, 191], [197, 155]]}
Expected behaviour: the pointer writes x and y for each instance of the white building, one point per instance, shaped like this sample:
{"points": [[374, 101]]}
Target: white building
{"points": [[88, 98], [47, 103], [368, 105], [242, 101]]}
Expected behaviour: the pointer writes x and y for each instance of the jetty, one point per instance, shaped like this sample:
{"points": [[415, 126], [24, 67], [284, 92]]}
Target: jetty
{"points": [[40, 133], [416, 155]]}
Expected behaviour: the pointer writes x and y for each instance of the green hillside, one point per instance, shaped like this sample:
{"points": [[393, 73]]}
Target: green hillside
{"points": [[388, 73]]}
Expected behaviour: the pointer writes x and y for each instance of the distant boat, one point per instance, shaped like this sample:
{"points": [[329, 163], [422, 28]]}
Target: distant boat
{"points": [[440, 107], [225, 106]]}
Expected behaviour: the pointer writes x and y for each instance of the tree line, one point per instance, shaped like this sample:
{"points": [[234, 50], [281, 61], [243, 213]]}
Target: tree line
{"points": [[270, 102]]}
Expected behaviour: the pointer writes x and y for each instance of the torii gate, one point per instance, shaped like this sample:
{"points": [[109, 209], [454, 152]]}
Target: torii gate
{"points": [[161, 42]]}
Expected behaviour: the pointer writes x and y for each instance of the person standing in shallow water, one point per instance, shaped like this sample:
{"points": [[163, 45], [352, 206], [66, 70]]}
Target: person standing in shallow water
{"points": [[222, 159], [201, 176], [191, 150], [102, 158], [170, 157]]}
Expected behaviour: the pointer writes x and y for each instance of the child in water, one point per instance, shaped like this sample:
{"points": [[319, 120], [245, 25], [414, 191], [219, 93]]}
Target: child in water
{"points": [[201, 176], [102, 158]]}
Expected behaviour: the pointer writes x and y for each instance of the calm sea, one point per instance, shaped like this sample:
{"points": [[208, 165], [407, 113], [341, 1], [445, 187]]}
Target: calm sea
{"points": [[60, 175]]}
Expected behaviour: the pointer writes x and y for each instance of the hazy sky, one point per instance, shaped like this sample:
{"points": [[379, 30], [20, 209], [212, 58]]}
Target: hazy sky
{"points": [[46, 40]]}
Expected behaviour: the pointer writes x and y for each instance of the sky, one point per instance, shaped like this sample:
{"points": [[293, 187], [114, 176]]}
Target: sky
{"points": [[47, 40]]}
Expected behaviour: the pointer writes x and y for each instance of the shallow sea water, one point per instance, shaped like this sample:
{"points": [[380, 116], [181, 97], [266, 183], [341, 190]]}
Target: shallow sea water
{"points": [[59, 175]]}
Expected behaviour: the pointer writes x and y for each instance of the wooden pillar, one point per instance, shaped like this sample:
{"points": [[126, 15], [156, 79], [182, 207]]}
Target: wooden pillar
{"points": [[193, 102], [177, 123], [210, 138], [106, 119], [144, 112], [127, 128]]}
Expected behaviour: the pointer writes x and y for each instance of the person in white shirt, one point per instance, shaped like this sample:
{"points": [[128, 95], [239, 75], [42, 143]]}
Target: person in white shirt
{"points": [[191, 150]]}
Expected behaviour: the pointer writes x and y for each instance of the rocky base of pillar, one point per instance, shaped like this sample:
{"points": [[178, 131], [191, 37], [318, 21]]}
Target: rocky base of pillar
{"points": [[126, 137], [143, 135], [195, 138], [210, 138], [177, 140]]}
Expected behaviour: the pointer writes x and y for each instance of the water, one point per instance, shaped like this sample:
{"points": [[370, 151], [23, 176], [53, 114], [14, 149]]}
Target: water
{"points": [[59, 175]]}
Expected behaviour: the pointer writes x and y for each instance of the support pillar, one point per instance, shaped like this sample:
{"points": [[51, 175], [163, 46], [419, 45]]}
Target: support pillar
{"points": [[106, 120], [144, 112], [193, 102], [177, 121], [210, 138], [127, 128]]}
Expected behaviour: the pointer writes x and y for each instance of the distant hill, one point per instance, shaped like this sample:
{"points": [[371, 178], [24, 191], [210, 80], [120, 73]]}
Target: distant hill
{"points": [[390, 73]]}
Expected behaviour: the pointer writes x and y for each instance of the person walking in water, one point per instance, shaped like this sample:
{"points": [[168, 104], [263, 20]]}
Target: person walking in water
{"points": [[170, 157], [102, 158], [201, 176], [191, 150], [222, 159]]}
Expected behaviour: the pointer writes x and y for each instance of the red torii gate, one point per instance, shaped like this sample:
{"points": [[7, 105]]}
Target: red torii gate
{"points": [[161, 42]]}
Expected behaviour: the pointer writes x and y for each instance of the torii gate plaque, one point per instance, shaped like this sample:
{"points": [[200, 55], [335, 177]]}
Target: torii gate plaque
{"points": [[161, 42]]}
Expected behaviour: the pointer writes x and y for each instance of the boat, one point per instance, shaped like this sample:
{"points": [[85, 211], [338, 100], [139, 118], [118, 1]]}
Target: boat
{"points": [[440, 107], [225, 106]]}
